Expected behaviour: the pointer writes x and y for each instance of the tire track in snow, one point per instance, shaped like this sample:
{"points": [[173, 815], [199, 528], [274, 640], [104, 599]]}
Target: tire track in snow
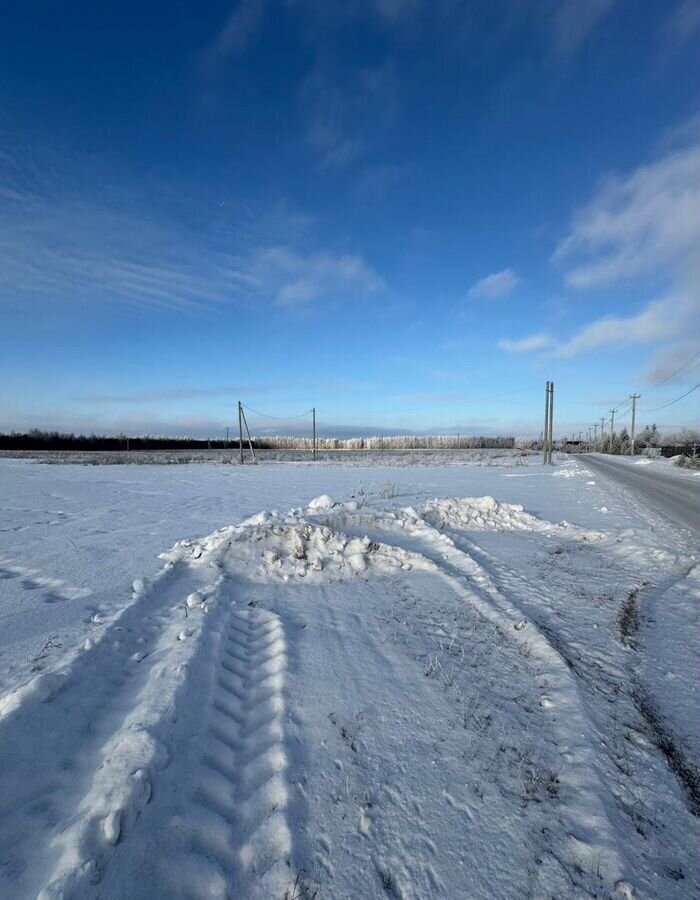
{"points": [[93, 728], [235, 823], [589, 827], [602, 677]]}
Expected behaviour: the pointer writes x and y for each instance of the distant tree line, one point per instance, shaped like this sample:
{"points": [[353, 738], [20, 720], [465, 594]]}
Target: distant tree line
{"points": [[685, 441], [55, 440], [391, 442]]}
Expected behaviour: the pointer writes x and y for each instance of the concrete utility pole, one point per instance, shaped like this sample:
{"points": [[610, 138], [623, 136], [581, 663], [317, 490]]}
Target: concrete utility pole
{"points": [[633, 398], [612, 428], [240, 430], [545, 433], [551, 419], [314, 424]]}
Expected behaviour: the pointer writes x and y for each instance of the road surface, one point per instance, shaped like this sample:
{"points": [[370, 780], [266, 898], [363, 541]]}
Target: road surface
{"points": [[676, 498]]}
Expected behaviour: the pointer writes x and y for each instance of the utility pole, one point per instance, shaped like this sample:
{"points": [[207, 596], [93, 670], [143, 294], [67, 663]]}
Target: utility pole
{"points": [[602, 434], [227, 437], [240, 430], [633, 398], [612, 428], [314, 424], [551, 418], [595, 436], [545, 434]]}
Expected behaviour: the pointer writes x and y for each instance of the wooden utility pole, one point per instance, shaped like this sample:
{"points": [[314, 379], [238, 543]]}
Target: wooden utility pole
{"points": [[633, 398], [313, 411], [595, 436], [240, 430], [545, 433], [612, 428], [602, 434]]}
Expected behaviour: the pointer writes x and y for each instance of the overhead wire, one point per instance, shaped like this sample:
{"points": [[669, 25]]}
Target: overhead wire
{"points": [[693, 358], [671, 402], [688, 366], [279, 418]]}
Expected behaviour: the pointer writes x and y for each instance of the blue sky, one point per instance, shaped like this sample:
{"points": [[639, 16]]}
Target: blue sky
{"points": [[408, 213]]}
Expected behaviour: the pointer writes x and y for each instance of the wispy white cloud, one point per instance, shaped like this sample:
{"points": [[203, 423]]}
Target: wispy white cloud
{"points": [[498, 284], [527, 344], [573, 20], [175, 395], [645, 222], [668, 318], [395, 10], [684, 22], [300, 279], [235, 34], [636, 223], [668, 363], [565, 25], [93, 238], [347, 113], [660, 320]]}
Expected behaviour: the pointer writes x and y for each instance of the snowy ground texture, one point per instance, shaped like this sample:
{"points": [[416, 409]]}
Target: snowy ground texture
{"points": [[298, 681]]}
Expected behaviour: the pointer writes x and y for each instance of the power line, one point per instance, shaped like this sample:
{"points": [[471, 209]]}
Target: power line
{"points": [[279, 418], [624, 412], [695, 356], [671, 402]]}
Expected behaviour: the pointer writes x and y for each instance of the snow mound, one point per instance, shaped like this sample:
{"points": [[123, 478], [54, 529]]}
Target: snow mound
{"points": [[272, 546], [488, 514], [480, 514], [325, 501], [571, 472], [41, 689]]}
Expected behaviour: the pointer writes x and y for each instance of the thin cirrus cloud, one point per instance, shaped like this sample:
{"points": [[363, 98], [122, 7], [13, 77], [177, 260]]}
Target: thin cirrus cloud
{"points": [[493, 286], [235, 34], [174, 394], [527, 344], [573, 21], [348, 112], [565, 23], [189, 254], [684, 22]]}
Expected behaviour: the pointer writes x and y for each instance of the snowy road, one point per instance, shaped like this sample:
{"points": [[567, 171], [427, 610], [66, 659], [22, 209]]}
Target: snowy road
{"points": [[677, 498]]}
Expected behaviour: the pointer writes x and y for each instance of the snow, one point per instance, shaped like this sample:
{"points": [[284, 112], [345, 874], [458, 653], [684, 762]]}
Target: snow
{"points": [[261, 682], [325, 501]]}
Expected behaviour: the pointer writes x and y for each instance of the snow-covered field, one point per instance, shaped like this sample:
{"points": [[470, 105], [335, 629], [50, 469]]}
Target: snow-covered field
{"points": [[296, 681]]}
